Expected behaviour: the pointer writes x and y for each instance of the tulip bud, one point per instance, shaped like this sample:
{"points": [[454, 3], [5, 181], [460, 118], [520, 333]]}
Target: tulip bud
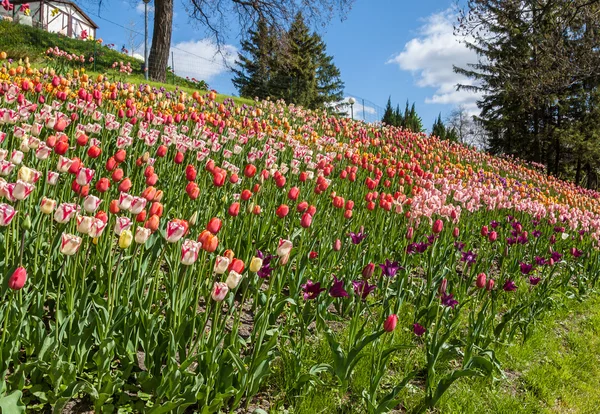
{"points": [[306, 220], [490, 284], [443, 287], [125, 239], [219, 291], [390, 323], [438, 226], [17, 279], [337, 245], [409, 233], [255, 264], [480, 283], [233, 279], [493, 236], [368, 271], [455, 232]]}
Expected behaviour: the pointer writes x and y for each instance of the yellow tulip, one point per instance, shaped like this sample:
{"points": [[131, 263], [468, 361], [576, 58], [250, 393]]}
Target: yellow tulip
{"points": [[125, 239]]}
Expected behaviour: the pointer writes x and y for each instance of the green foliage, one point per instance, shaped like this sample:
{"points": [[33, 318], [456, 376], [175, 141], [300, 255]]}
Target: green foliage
{"points": [[407, 120], [292, 65]]}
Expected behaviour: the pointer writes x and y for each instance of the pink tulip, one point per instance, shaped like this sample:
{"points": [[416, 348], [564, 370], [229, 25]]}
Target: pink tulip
{"points": [[480, 282], [219, 291], [123, 223], [65, 212], [390, 323], [189, 252], [69, 244], [84, 176], [21, 190], [7, 213], [96, 228], [175, 231], [138, 204], [125, 201], [17, 279], [221, 264], [52, 178], [91, 203]]}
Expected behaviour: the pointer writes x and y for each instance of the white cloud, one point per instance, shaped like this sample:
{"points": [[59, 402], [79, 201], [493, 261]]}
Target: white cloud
{"points": [[430, 57], [139, 8], [200, 59]]}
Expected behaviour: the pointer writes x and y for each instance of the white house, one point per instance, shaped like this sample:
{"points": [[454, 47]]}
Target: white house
{"points": [[56, 16]]}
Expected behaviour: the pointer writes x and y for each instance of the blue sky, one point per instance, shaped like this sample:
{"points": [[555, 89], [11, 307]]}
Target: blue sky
{"points": [[382, 48]]}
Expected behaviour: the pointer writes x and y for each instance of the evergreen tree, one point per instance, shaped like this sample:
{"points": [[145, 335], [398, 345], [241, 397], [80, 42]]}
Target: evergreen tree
{"points": [[389, 117], [257, 63], [330, 87], [438, 129], [398, 118]]}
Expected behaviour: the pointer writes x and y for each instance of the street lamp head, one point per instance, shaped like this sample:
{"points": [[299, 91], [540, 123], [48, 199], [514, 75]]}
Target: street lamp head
{"points": [[351, 101], [147, 1]]}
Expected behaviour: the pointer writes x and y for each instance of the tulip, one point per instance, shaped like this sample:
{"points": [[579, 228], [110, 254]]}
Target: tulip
{"points": [[138, 204], [178, 158], [293, 193], [47, 206], [211, 243], [122, 224], [175, 230], [233, 279], [409, 233], [84, 224], [125, 239], [52, 178], [368, 271], [141, 235], [284, 249], [455, 232], [102, 185], [221, 265], [236, 265], [219, 291], [17, 279], [234, 209], [189, 252], [69, 244], [91, 203], [256, 264], [21, 190], [490, 284], [84, 176], [97, 227], [337, 245], [282, 211], [65, 212], [152, 223], [214, 225], [493, 236], [481, 279], [390, 323], [306, 220], [125, 185], [438, 225], [443, 287], [64, 164], [120, 155], [28, 175]]}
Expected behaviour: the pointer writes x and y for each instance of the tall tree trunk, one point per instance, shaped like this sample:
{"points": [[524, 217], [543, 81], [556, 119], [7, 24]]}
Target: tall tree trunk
{"points": [[161, 39]]}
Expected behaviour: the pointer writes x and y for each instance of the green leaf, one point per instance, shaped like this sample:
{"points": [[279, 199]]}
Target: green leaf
{"points": [[11, 403]]}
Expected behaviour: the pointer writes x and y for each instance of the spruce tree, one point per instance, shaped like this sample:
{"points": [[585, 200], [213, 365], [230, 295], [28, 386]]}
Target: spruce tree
{"points": [[389, 118]]}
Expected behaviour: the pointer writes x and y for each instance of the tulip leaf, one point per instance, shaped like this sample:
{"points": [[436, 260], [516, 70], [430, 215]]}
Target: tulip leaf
{"points": [[11, 403]]}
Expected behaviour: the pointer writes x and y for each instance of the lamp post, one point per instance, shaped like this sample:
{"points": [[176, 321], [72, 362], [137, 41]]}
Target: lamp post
{"points": [[146, 38], [352, 101]]}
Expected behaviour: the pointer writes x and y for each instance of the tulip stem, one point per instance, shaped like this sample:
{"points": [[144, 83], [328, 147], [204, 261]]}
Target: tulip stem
{"points": [[22, 249], [5, 327]]}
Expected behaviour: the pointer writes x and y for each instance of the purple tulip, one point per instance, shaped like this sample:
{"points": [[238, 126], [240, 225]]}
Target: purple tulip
{"points": [[534, 280], [419, 330], [448, 300], [526, 268], [337, 289], [468, 257], [389, 268], [357, 238], [509, 286], [362, 288], [311, 289]]}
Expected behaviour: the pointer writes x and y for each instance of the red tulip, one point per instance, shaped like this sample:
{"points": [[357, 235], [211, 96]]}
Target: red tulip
{"points": [[161, 151], [125, 185], [302, 206], [306, 220], [246, 195], [82, 140], [120, 155], [178, 158], [234, 209], [111, 164], [61, 147], [148, 171], [114, 207], [282, 211], [493, 236], [102, 185], [348, 214], [480, 282], [192, 190], [190, 173], [236, 265], [219, 179], [438, 225], [455, 232], [152, 223], [17, 279], [249, 170], [214, 225], [293, 193], [94, 152], [390, 323]]}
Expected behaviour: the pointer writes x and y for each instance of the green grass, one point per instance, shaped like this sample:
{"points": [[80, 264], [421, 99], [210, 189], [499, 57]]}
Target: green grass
{"points": [[21, 42], [557, 370]]}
